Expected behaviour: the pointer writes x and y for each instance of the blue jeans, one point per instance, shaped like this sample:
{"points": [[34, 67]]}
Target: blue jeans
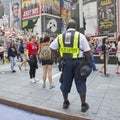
{"points": [[92, 61], [13, 62]]}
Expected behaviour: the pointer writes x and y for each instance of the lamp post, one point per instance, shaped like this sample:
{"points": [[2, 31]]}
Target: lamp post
{"points": [[81, 16], [78, 7]]}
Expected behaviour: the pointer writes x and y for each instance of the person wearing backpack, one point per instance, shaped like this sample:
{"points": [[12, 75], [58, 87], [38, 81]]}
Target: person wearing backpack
{"points": [[46, 62]]}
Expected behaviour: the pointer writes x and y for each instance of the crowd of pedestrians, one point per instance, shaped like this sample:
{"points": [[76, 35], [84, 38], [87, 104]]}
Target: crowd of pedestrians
{"points": [[71, 47]]}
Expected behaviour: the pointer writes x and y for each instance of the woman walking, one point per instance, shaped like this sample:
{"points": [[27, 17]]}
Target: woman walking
{"points": [[31, 57], [12, 53], [105, 47], [46, 65]]}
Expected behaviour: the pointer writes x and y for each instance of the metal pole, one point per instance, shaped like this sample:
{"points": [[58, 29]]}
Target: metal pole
{"points": [[81, 16], [104, 60]]}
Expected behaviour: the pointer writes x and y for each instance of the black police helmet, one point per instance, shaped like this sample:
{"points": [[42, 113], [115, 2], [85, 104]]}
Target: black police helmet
{"points": [[84, 69]]}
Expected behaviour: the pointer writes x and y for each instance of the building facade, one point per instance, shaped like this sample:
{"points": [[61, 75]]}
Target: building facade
{"points": [[102, 17], [51, 16]]}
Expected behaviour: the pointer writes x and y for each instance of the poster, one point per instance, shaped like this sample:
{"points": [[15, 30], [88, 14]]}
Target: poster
{"points": [[50, 7], [32, 25], [30, 9], [51, 25], [106, 17], [118, 8], [15, 14], [91, 18], [66, 7]]}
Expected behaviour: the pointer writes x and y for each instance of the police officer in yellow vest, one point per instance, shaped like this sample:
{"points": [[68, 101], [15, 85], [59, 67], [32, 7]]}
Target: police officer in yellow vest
{"points": [[72, 46]]}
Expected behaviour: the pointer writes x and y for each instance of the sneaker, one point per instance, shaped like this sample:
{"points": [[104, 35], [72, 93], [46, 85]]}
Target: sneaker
{"points": [[13, 71], [43, 86], [66, 104], [84, 107], [95, 69], [32, 80], [51, 86], [36, 80]]}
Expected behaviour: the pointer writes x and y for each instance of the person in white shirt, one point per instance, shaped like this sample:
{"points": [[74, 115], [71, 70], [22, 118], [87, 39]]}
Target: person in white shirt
{"points": [[72, 46]]}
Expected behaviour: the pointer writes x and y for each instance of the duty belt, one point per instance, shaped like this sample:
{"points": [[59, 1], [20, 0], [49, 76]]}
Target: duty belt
{"points": [[70, 60]]}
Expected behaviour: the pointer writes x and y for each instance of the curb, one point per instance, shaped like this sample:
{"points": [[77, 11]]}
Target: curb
{"points": [[41, 111]]}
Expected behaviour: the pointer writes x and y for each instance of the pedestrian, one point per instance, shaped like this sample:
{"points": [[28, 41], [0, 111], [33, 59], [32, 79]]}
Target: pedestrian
{"points": [[46, 65], [1, 52], [31, 57], [105, 48], [92, 60], [72, 46], [118, 56], [12, 54], [21, 49]]}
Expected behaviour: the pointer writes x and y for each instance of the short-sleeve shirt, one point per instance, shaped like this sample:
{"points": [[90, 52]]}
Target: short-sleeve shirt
{"points": [[83, 44], [32, 48]]}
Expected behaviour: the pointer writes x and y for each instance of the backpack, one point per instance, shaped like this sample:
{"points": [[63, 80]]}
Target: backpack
{"points": [[45, 52]]}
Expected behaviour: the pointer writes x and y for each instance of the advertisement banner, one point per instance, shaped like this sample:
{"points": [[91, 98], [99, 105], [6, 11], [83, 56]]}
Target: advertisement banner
{"points": [[118, 8], [66, 7], [30, 9], [51, 7], [88, 1], [32, 25], [51, 25], [91, 18], [15, 14], [106, 17]]}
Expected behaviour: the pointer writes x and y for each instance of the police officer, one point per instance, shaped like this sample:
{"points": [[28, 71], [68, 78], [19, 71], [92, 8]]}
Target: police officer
{"points": [[72, 46]]}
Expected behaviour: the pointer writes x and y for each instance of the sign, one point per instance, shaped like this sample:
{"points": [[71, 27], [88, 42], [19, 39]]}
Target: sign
{"points": [[106, 17], [32, 25], [15, 14], [66, 7], [51, 25], [30, 9], [51, 7]]}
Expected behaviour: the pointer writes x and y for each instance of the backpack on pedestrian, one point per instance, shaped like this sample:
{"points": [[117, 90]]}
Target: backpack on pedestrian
{"points": [[45, 52]]}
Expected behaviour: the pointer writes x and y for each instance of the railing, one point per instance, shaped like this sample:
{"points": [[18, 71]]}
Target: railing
{"points": [[112, 55]]}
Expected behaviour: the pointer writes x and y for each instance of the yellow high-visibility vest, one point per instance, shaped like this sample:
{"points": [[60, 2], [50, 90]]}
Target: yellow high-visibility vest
{"points": [[72, 50]]}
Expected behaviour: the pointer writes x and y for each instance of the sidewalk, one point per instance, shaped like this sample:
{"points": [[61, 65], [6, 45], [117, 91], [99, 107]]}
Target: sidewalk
{"points": [[103, 95]]}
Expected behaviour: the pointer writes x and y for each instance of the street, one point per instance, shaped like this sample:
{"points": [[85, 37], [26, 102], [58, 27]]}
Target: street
{"points": [[10, 113]]}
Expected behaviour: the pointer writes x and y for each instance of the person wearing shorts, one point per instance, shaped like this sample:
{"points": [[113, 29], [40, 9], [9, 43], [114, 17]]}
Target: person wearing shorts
{"points": [[46, 66], [72, 46]]}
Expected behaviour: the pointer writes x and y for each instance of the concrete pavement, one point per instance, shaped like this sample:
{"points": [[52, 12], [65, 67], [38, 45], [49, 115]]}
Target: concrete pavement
{"points": [[103, 95]]}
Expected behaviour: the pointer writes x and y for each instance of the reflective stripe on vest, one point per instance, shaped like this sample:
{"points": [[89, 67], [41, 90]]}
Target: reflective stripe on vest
{"points": [[73, 50]]}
